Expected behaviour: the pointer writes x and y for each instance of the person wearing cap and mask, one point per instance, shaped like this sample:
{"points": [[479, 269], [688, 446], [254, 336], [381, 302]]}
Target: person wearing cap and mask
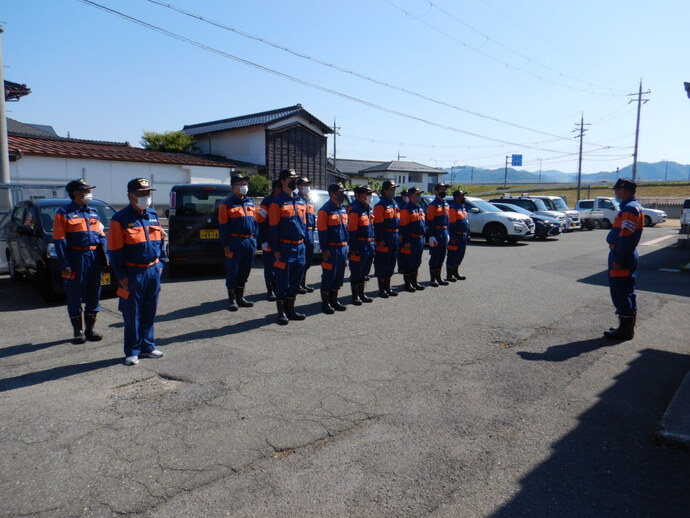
{"points": [[80, 244], [287, 219], [136, 246], [459, 231], [238, 228], [623, 239], [386, 230], [303, 186], [262, 220], [437, 222], [412, 230], [360, 226], [331, 222]]}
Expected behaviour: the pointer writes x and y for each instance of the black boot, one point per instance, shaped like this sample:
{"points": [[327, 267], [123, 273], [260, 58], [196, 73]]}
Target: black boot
{"points": [[79, 337], [304, 285], [457, 275], [334, 301], [415, 284], [355, 294], [90, 322], [232, 301], [270, 286], [241, 301], [290, 310], [389, 290], [625, 331], [407, 279], [282, 317], [363, 296], [382, 287], [439, 279], [433, 283], [326, 303], [449, 274]]}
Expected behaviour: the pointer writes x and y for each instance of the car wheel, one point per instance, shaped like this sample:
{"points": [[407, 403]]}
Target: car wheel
{"points": [[604, 223], [588, 225], [495, 234], [648, 221], [12, 266]]}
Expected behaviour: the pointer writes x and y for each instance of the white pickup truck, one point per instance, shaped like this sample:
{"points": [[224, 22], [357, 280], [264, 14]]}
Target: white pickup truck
{"points": [[602, 211]]}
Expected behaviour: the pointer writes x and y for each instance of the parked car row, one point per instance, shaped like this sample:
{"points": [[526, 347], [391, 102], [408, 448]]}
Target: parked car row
{"points": [[602, 210]]}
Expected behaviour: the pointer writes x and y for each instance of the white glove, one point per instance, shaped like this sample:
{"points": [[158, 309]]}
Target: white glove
{"points": [[264, 246], [432, 241]]}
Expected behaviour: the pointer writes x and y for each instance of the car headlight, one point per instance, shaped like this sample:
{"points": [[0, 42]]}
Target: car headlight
{"points": [[515, 220], [50, 251]]}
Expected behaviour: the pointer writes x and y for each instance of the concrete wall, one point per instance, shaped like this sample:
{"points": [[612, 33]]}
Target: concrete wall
{"points": [[246, 144]]}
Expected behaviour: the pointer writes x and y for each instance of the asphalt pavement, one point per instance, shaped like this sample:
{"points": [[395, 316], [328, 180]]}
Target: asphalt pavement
{"points": [[494, 396]]}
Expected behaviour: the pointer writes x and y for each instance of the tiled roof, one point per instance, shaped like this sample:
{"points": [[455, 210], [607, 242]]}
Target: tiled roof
{"points": [[14, 91], [254, 119], [20, 145], [30, 130], [402, 167], [353, 167]]}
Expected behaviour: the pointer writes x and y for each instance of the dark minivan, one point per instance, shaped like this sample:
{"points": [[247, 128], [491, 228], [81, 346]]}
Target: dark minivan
{"points": [[193, 235], [30, 246]]}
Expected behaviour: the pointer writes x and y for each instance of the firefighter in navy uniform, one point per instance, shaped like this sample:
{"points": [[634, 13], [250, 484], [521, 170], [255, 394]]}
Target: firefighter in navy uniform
{"points": [[80, 244], [287, 217], [386, 233], [623, 239], [303, 186], [437, 222], [136, 246], [360, 226], [412, 230], [267, 254], [238, 229], [459, 232], [331, 222]]}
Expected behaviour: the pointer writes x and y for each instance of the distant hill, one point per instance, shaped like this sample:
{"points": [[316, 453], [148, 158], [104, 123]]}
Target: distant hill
{"points": [[657, 171]]}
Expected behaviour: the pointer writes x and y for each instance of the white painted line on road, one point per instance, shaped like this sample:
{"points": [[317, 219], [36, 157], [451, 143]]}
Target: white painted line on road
{"points": [[657, 240], [674, 270]]}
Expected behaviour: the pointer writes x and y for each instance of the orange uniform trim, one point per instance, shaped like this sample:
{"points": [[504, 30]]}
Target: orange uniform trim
{"points": [[326, 266], [59, 227], [619, 273], [222, 213], [115, 236]]}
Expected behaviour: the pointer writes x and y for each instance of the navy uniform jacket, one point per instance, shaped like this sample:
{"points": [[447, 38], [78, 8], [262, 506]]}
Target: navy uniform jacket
{"points": [[412, 223], [77, 228], [360, 225], [457, 217], [236, 218], [135, 239], [624, 237], [287, 218], [437, 218], [386, 220], [332, 224]]}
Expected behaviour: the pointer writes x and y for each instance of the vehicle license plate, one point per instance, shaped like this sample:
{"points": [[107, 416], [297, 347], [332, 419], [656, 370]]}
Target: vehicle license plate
{"points": [[105, 278], [209, 234]]}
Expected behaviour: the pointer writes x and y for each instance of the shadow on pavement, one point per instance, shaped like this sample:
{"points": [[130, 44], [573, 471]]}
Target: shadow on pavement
{"points": [[561, 353], [29, 348], [611, 465], [56, 373]]}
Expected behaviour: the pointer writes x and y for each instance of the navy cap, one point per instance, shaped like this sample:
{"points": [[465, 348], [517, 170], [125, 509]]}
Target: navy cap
{"points": [[303, 180], [413, 190], [625, 183], [286, 174], [78, 185], [239, 178], [440, 185], [388, 184], [458, 193], [336, 187], [139, 184], [363, 189], [404, 193]]}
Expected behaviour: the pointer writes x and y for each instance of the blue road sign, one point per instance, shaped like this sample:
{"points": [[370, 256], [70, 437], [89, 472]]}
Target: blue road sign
{"points": [[516, 160]]}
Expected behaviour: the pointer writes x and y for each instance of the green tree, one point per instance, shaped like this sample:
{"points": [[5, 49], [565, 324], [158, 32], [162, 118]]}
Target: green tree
{"points": [[259, 185], [171, 141]]}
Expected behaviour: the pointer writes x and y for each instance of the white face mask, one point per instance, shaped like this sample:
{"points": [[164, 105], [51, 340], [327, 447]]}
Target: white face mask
{"points": [[369, 199], [304, 190], [244, 189], [88, 196], [144, 202]]}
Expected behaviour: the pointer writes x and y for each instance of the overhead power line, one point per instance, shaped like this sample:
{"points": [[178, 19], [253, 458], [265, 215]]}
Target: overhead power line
{"points": [[302, 81]]}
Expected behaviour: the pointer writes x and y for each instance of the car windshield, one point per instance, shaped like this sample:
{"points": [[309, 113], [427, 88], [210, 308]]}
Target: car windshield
{"points": [[318, 199], [540, 204], [559, 204], [47, 212], [514, 208], [204, 202], [483, 205]]}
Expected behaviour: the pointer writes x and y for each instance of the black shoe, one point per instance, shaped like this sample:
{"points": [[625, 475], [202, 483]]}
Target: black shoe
{"points": [[625, 331], [290, 310], [304, 284], [355, 294], [382, 288], [282, 317], [439, 279], [241, 301], [301, 290], [270, 286], [363, 296], [449, 274], [232, 301], [433, 282], [390, 292], [79, 337], [415, 284], [407, 279], [90, 333], [326, 303], [334, 301]]}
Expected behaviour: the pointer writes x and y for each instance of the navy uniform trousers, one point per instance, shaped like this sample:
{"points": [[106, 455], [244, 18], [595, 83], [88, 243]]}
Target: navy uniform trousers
{"points": [[239, 266], [290, 269], [87, 266], [139, 309]]}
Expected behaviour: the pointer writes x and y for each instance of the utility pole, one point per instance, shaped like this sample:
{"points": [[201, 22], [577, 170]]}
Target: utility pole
{"points": [[505, 176], [640, 101], [335, 155], [5, 196], [582, 131], [666, 172], [540, 170]]}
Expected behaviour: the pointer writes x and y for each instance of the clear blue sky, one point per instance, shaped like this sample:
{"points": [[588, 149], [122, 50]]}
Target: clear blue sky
{"points": [[536, 65]]}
